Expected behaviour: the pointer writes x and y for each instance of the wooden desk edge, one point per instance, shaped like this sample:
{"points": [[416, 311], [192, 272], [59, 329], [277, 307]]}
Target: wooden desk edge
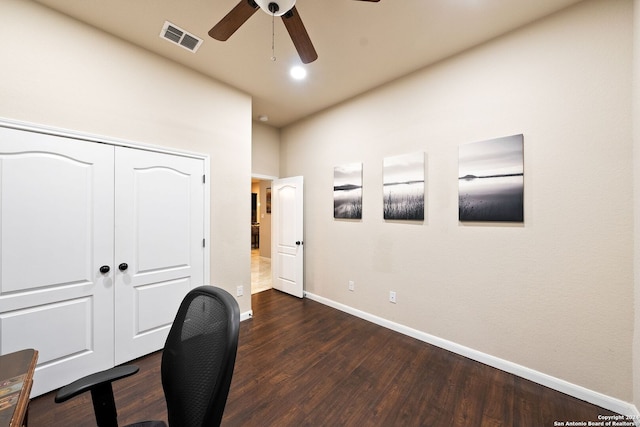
{"points": [[20, 412]]}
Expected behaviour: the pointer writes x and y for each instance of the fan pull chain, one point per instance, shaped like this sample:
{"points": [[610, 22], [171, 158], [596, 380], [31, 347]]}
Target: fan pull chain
{"points": [[273, 36]]}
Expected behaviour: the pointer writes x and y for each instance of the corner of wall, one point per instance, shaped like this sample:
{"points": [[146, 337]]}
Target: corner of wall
{"points": [[636, 205]]}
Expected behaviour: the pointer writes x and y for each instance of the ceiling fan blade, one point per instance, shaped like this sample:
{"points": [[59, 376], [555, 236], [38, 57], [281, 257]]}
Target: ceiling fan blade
{"points": [[233, 20], [299, 36]]}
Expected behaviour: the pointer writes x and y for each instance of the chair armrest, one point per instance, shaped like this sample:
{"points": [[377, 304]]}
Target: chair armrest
{"points": [[94, 380]]}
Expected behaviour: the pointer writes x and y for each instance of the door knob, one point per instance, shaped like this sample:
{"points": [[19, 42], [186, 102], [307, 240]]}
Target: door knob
{"points": [[104, 269], [123, 266]]}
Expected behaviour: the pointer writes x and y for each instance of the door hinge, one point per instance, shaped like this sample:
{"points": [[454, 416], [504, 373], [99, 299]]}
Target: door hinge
{"points": [[204, 179]]}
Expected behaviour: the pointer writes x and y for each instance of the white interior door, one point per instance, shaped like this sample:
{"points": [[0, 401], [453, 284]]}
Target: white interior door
{"points": [[287, 244], [159, 236], [56, 231]]}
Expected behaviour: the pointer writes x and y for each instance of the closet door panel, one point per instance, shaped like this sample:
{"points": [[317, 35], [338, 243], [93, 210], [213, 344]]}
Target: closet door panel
{"points": [[21, 326], [159, 232], [50, 225], [56, 231]]}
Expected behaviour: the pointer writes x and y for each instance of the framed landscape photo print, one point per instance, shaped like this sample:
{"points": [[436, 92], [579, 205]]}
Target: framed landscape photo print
{"points": [[347, 191], [491, 180], [403, 187]]}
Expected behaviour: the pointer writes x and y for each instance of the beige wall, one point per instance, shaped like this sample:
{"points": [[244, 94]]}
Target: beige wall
{"points": [[58, 72], [265, 164], [636, 187], [265, 150], [554, 295], [265, 220]]}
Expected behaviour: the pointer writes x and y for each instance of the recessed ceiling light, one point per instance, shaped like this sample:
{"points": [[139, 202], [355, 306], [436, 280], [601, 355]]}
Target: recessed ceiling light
{"points": [[263, 118], [298, 72]]}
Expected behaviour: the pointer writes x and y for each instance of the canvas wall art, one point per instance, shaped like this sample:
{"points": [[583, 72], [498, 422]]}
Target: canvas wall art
{"points": [[403, 187], [347, 191], [491, 180]]}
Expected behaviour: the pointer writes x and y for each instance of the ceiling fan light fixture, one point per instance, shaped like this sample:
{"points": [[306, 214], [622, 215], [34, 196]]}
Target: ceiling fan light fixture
{"points": [[298, 72], [281, 6]]}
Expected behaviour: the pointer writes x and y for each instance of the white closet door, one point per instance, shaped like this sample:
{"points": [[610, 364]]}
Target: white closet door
{"points": [[56, 231], [159, 236]]}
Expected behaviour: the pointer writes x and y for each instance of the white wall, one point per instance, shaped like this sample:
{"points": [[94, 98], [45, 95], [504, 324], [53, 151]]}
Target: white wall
{"points": [[554, 295], [58, 72]]}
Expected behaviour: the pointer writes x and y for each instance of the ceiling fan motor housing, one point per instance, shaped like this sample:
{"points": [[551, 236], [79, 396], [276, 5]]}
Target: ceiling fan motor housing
{"points": [[276, 7]]}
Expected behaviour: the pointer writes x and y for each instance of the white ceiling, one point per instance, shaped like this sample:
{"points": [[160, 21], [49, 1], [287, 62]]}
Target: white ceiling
{"points": [[360, 45]]}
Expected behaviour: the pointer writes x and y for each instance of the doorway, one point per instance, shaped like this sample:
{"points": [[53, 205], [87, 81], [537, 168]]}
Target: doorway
{"points": [[260, 235]]}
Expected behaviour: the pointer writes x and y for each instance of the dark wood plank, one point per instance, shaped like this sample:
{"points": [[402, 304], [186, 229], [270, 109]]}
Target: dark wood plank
{"points": [[304, 364]]}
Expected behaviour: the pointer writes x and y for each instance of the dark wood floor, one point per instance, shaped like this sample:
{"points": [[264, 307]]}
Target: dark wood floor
{"points": [[304, 364]]}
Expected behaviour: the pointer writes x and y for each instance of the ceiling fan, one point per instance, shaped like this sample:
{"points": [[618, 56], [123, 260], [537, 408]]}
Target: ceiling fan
{"points": [[283, 8]]}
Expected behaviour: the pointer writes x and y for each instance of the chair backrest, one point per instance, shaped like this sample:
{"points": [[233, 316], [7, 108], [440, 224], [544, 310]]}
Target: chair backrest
{"points": [[199, 356]]}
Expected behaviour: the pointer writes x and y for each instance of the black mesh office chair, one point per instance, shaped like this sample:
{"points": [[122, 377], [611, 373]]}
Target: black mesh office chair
{"points": [[197, 364]]}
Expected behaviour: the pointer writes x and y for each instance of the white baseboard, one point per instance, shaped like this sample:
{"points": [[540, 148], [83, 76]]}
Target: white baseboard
{"points": [[579, 392], [246, 315]]}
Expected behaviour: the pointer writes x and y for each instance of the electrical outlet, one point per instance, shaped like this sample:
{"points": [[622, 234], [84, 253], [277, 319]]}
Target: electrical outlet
{"points": [[392, 296], [239, 291], [352, 285]]}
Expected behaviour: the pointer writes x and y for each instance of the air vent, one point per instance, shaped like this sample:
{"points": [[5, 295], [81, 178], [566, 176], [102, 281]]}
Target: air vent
{"points": [[177, 35]]}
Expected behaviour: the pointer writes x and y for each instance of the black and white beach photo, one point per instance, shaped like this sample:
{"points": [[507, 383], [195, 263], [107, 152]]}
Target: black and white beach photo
{"points": [[491, 180]]}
